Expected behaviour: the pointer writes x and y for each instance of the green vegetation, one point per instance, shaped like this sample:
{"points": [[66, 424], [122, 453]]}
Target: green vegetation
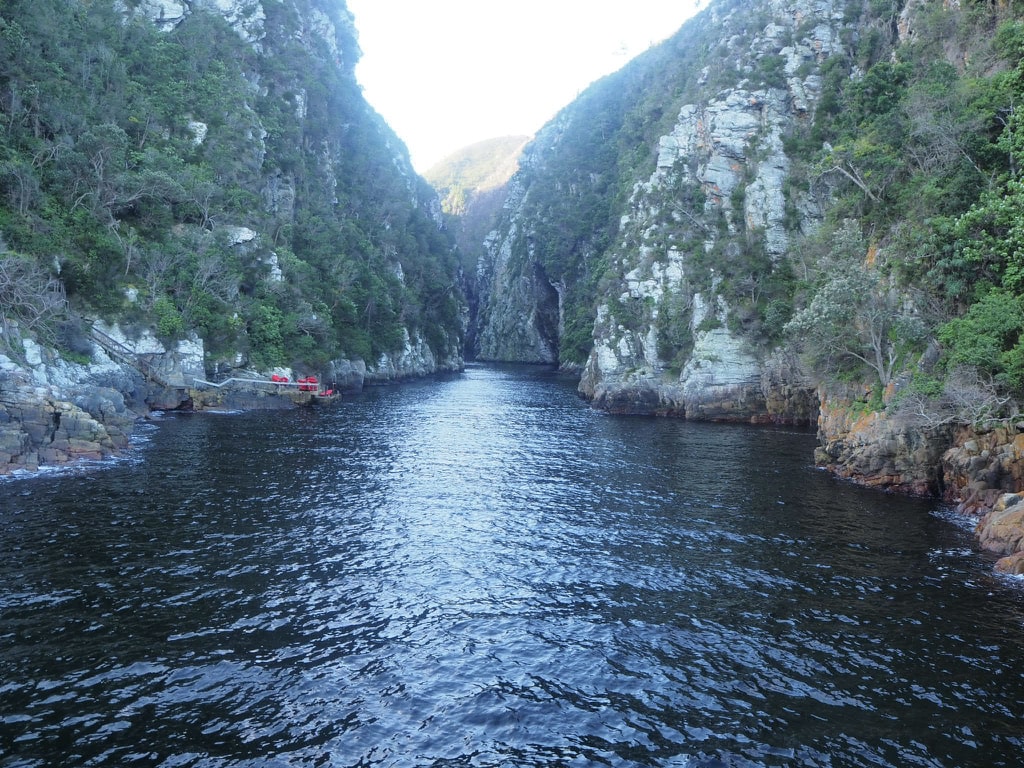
{"points": [[180, 167], [30, 300], [989, 338], [857, 318], [921, 159], [480, 167], [472, 184]]}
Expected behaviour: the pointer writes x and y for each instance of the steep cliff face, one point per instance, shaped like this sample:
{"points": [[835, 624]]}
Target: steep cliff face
{"points": [[676, 252], [518, 316], [727, 152], [474, 185], [207, 174], [212, 166]]}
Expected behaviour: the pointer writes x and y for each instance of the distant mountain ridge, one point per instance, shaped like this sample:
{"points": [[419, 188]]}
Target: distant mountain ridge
{"points": [[482, 166]]}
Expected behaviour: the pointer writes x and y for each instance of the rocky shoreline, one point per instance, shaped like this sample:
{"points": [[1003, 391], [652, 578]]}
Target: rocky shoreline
{"points": [[977, 470], [983, 474], [54, 411]]}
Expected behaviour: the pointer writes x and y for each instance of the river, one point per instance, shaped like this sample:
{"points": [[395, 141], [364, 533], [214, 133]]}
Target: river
{"points": [[479, 570]]}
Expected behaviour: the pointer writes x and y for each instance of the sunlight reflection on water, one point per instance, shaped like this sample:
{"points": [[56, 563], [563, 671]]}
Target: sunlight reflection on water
{"points": [[480, 570]]}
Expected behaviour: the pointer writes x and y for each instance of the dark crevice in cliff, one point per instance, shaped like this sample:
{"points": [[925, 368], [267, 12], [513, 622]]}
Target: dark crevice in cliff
{"points": [[547, 309]]}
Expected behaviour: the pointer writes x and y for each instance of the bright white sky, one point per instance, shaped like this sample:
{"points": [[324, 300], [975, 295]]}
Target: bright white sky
{"points": [[449, 73]]}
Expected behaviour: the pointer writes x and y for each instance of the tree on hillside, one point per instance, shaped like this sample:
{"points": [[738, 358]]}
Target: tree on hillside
{"points": [[30, 300], [857, 319], [989, 339]]}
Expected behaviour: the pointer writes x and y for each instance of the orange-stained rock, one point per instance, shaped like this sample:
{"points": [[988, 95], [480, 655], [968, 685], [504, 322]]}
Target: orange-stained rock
{"points": [[1002, 529], [1011, 564], [870, 449], [981, 466]]}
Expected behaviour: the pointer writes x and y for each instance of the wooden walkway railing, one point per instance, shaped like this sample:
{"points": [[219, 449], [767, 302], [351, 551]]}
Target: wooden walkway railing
{"points": [[123, 354], [127, 356], [297, 385]]}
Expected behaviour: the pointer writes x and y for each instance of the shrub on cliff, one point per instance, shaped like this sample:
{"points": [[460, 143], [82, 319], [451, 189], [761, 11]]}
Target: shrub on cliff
{"points": [[858, 322], [990, 339]]}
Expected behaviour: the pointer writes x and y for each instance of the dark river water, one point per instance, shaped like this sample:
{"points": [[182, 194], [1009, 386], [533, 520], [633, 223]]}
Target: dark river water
{"points": [[481, 571]]}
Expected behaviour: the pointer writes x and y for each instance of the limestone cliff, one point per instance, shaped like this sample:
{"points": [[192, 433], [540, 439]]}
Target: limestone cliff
{"points": [[692, 238], [728, 151]]}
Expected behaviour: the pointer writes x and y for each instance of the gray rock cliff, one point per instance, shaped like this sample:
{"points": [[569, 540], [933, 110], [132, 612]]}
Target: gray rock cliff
{"points": [[665, 338], [53, 411], [727, 148]]}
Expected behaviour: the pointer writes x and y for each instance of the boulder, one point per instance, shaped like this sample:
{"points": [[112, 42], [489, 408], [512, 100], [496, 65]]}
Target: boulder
{"points": [[1002, 530], [982, 465], [346, 376], [1011, 564]]}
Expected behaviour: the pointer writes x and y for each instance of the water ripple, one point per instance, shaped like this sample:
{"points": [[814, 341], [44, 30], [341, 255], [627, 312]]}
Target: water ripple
{"points": [[480, 571]]}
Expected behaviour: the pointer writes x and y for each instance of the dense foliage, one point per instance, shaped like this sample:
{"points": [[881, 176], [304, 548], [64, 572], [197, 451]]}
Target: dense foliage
{"points": [[924, 153], [187, 179]]}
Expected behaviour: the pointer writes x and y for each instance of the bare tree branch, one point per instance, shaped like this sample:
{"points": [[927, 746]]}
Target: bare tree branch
{"points": [[29, 298]]}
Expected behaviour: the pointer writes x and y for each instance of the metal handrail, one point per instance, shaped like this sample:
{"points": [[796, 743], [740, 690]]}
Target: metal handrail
{"points": [[296, 384]]}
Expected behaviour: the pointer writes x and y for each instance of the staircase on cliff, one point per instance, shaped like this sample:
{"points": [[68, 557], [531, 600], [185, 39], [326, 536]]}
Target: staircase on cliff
{"points": [[140, 362]]}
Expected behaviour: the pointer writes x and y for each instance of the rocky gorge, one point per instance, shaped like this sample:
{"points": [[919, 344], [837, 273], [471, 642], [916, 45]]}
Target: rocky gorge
{"points": [[210, 196], [666, 238]]}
